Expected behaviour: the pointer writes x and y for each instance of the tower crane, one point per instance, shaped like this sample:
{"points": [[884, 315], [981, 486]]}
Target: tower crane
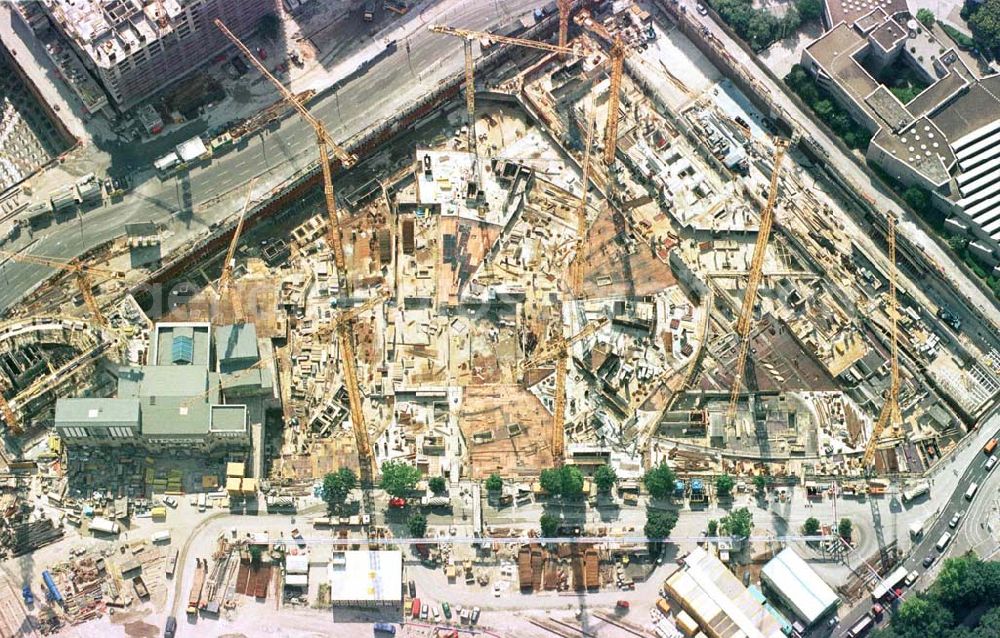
{"points": [[617, 62], [557, 350], [226, 288], [470, 81], [9, 416], [324, 142], [745, 321], [890, 410], [82, 272], [565, 6], [576, 268]]}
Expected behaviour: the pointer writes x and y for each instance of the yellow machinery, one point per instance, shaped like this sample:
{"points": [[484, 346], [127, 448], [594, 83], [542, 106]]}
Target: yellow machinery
{"points": [[557, 350], [9, 416], [565, 6], [226, 288], [890, 410], [745, 321], [82, 273], [325, 143], [617, 61], [576, 268]]}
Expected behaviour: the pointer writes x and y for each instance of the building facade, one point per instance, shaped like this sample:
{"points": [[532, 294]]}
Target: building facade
{"points": [[134, 50]]}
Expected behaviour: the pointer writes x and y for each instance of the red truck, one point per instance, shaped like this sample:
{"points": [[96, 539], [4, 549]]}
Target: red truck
{"points": [[416, 608]]}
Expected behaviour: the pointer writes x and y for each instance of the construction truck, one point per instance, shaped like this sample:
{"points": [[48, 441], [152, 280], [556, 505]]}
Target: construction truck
{"points": [[104, 525], [917, 529], [435, 501], [680, 488], [199, 581], [916, 490], [698, 493]]}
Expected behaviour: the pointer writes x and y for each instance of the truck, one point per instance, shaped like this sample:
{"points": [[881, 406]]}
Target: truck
{"points": [[64, 198], [199, 581], [435, 501], [103, 525], [162, 536], [916, 490], [680, 488], [698, 494], [202, 502], [171, 562], [917, 529], [369, 11]]}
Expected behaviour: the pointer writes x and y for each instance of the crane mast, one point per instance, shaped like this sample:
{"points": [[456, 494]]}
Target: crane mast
{"points": [[565, 6], [890, 410], [324, 142], [557, 351], [614, 94], [226, 288], [9, 416], [745, 321], [576, 268]]}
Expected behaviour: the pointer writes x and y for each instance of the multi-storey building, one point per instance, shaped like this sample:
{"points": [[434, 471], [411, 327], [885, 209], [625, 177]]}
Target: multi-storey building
{"points": [[136, 47]]}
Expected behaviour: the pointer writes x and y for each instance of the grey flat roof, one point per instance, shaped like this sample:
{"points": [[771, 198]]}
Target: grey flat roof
{"points": [[235, 342], [174, 416], [96, 412], [229, 418], [162, 381]]}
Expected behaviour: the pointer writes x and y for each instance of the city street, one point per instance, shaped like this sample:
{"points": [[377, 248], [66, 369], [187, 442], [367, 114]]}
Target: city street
{"points": [[190, 202]]}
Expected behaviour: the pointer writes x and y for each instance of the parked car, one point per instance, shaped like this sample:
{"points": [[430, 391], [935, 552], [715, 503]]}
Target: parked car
{"points": [[170, 628], [446, 608], [475, 615], [29, 597], [700, 8], [437, 614], [623, 605], [425, 611], [397, 501], [170, 500], [413, 589]]}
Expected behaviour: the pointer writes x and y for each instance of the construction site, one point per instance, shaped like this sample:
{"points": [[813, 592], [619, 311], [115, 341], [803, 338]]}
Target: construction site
{"points": [[595, 257]]}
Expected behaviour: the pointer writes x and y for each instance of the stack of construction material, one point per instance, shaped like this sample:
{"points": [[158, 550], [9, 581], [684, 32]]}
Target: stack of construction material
{"points": [[23, 538]]}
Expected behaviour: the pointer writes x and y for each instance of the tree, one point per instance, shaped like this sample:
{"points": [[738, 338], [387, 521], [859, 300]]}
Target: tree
{"points": [[844, 528], [571, 481], [917, 198], [255, 554], [494, 483], [549, 525], [926, 17], [551, 481], [659, 480], [760, 483], [925, 613], [659, 523], [811, 526], [336, 486], [713, 527], [437, 484], [417, 525], [398, 478], [985, 23], [605, 477], [269, 26], [724, 486], [738, 523], [810, 9]]}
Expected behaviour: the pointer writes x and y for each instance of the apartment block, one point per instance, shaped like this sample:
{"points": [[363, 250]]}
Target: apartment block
{"points": [[135, 48]]}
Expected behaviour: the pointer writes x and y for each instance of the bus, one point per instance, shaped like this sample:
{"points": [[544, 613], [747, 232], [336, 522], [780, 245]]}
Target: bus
{"points": [[862, 627], [889, 583]]}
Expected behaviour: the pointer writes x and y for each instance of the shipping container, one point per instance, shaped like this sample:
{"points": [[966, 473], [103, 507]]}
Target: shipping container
{"points": [[103, 525]]}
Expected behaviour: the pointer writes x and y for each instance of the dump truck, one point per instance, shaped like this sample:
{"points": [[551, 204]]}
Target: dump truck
{"points": [[199, 581]]}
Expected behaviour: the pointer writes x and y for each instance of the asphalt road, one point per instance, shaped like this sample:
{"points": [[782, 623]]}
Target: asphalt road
{"points": [[386, 88], [966, 535]]}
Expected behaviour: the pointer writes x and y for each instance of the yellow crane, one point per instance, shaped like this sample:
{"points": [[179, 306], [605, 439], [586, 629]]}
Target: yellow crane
{"points": [[343, 325], [890, 410], [617, 62], [325, 143], [576, 268], [565, 6], [226, 288], [557, 350], [745, 321], [83, 281], [468, 37], [9, 416]]}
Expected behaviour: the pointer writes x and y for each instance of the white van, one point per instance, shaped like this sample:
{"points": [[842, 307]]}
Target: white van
{"points": [[161, 537], [943, 541], [969, 493]]}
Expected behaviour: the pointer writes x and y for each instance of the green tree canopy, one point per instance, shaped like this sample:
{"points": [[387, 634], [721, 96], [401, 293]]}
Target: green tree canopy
{"points": [[417, 524], [399, 478], [844, 528], [659, 480], [269, 26], [437, 484], [494, 483], [760, 482], [985, 23], [738, 523], [605, 477], [571, 481], [811, 526], [809, 9], [724, 486], [926, 17], [336, 486], [551, 481], [659, 523], [713, 527], [549, 525]]}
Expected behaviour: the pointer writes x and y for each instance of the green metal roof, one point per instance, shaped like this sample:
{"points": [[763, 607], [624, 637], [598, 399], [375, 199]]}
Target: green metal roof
{"points": [[174, 416], [229, 418]]}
